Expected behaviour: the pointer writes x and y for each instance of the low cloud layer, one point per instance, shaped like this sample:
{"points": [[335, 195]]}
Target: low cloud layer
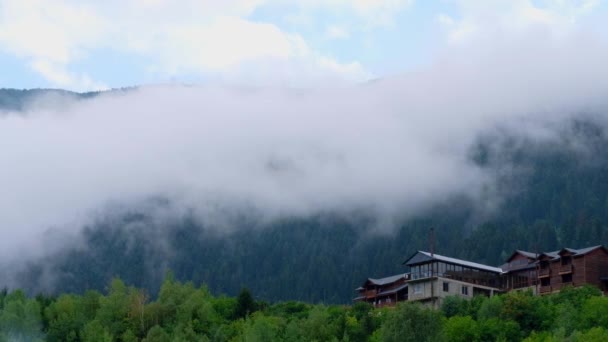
{"points": [[391, 147]]}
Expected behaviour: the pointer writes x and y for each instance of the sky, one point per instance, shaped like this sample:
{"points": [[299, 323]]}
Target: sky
{"points": [[85, 45]]}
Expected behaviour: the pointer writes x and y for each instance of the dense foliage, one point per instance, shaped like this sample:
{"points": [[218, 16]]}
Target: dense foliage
{"points": [[183, 312]]}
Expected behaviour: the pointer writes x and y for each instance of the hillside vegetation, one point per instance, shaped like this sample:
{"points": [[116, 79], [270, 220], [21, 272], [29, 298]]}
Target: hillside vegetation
{"points": [[183, 312]]}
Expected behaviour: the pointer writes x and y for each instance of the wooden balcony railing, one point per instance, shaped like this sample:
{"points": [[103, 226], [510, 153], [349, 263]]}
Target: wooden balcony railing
{"points": [[565, 269], [544, 272], [545, 289]]}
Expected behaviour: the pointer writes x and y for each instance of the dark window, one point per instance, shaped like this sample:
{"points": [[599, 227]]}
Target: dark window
{"points": [[465, 290], [544, 264], [446, 286], [545, 282], [567, 278], [519, 281], [566, 260]]}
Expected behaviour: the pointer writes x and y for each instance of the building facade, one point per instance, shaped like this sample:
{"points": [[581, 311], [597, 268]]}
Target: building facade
{"points": [[520, 271], [384, 291], [572, 267], [433, 277]]}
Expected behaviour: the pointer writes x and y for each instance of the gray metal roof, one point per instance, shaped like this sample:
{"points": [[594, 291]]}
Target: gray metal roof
{"points": [[581, 251], [391, 291], [527, 254], [506, 267], [553, 254], [423, 257], [387, 280], [587, 249]]}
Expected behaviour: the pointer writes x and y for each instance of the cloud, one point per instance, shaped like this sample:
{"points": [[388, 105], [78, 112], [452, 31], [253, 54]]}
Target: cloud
{"points": [[59, 76], [488, 19], [390, 147], [372, 13], [200, 37]]}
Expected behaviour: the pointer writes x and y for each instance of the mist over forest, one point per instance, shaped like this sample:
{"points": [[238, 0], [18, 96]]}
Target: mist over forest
{"points": [[282, 189]]}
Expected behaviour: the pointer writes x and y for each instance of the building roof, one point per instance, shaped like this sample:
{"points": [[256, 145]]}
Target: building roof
{"points": [[507, 267], [554, 255], [392, 291], [387, 280], [583, 251], [422, 257], [527, 254]]}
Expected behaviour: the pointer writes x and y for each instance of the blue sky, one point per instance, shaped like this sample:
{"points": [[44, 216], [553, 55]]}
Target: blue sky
{"points": [[88, 45]]}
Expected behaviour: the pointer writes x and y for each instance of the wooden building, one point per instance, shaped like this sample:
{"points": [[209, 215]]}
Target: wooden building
{"points": [[520, 271], [384, 291], [433, 277], [572, 267]]}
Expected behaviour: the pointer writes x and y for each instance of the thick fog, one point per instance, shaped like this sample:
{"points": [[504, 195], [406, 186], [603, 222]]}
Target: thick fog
{"points": [[390, 147]]}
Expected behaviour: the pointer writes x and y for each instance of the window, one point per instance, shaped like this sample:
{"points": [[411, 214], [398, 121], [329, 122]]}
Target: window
{"points": [[521, 280], [545, 282], [418, 288], [567, 278], [446, 286], [566, 260], [465, 290]]}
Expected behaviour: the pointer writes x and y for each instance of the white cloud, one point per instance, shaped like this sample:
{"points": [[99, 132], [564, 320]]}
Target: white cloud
{"points": [[224, 43], [194, 36], [370, 13], [484, 19], [57, 32], [58, 75]]}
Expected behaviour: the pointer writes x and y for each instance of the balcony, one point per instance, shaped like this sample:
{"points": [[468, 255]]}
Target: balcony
{"points": [[544, 272], [422, 275], [370, 294], [564, 269], [544, 289]]}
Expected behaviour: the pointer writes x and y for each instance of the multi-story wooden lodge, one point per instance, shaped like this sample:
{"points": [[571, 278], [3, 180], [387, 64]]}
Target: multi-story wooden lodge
{"points": [[433, 277], [520, 271], [572, 267], [384, 291]]}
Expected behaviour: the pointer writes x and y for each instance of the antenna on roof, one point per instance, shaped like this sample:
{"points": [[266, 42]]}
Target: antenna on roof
{"points": [[432, 241]]}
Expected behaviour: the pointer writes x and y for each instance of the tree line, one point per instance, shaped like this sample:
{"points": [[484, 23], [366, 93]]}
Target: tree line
{"points": [[184, 312]]}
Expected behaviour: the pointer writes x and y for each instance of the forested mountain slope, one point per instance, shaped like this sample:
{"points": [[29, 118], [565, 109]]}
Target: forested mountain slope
{"points": [[547, 194], [18, 100]]}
